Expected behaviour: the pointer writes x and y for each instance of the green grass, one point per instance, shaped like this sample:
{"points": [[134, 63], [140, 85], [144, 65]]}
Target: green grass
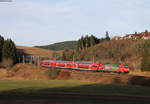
{"points": [[32, 86], [59, 87], [60, 45], [69, 86]]}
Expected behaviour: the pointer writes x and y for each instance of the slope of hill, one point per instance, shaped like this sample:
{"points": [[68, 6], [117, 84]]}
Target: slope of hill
{"points": [[113, 51], [36, 51], [60, 46]]}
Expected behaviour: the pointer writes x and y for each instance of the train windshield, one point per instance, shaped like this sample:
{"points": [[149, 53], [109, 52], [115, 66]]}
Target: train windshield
{"points": [[107, 67], [94, 66]]}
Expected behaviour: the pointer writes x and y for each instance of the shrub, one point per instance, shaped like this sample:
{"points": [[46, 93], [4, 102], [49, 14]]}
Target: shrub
{"points": [[110, 53], [52, 73]]}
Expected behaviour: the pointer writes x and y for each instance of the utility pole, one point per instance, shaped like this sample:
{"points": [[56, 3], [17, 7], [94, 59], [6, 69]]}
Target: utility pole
{"points": [[73, 58], [19, 60], [55, 57], [30, 59], [93, 59], [38, 60], [23, 59]]}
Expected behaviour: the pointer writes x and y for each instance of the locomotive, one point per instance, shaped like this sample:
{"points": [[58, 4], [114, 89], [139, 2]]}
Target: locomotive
{"points": [[86, 66]]}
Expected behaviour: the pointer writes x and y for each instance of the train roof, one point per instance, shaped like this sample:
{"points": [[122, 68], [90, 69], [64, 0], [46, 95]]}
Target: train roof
{"points": [[62, 61], [47, 60], [84, 63]]}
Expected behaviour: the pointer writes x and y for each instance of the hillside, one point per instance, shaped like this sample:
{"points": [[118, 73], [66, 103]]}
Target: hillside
{"points": [[36, 51], [60, 46], [113, 51]]}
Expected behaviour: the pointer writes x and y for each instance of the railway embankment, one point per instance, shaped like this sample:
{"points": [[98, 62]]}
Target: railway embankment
{"points": [[32, 72]]}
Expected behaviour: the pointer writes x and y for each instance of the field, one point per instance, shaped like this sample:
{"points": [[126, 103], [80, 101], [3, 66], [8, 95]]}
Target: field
{"points": [[37, 51], [70, 92], [29, 84]]}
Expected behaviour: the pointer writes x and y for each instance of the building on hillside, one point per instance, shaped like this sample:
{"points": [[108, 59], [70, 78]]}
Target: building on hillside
{"points": [[143, 35]]}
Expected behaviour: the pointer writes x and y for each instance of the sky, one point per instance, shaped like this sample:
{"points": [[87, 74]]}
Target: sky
{"points": [[42, 22]]}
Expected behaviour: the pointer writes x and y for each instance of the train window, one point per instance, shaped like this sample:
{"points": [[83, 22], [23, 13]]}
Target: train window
{"points": [[126, 66], [94, 66], [108, 67]]}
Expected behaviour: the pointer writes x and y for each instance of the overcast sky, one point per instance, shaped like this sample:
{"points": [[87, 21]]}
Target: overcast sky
{"points": [[41, 22]]}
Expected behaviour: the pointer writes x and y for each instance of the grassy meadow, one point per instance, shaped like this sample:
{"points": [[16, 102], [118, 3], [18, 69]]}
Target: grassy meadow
{"points": [[71, 91]]}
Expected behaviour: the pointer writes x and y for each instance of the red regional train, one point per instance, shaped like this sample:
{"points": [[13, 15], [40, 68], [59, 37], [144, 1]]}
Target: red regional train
{"points": [[86, 66]]}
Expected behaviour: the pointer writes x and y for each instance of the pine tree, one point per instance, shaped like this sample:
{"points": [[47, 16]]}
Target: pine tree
{"points": [[92, 40], [146, 31], [9, 53], [79, 44], [1, 47], [135, 33], [107, 36], [82, 43], [86, 41], [96, 40]]}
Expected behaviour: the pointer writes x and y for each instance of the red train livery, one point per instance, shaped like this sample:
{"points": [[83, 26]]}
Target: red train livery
{"points": [[86, 66]]}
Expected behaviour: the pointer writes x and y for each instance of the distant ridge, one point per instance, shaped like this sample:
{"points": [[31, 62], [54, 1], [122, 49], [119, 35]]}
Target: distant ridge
{"points": [[60, 46], [34, 51]]}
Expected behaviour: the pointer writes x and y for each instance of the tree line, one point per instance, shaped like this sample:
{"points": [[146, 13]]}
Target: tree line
{"points": [[88, 41], [8, 52], [83, 43], [145, 62]]}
